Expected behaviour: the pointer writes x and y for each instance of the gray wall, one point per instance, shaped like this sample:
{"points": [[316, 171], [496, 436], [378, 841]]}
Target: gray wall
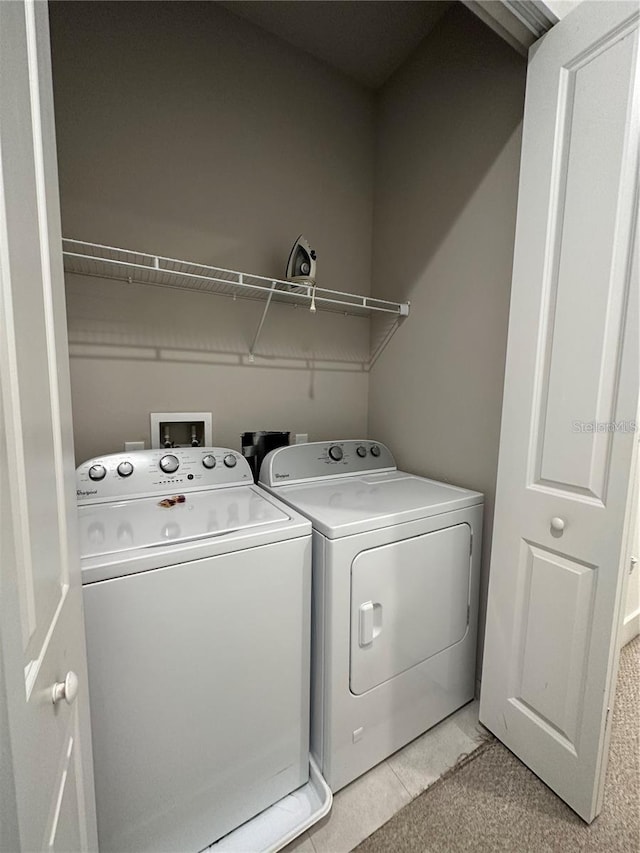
{"points": [[186, 131], [448, 147]]}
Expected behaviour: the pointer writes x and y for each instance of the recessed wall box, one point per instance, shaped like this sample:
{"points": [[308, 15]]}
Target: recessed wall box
{"points": [[181, 429]]}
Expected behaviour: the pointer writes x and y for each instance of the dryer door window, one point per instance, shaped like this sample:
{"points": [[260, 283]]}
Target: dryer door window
{"points": [[409, 601]]}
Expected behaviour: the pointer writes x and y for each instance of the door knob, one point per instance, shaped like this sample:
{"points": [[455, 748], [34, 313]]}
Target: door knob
{"points": [[557, 524], [67, 689]]}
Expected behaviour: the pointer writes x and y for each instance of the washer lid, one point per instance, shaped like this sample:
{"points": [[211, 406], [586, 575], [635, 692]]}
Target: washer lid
{"points": [[145, 523], [343, 506]]}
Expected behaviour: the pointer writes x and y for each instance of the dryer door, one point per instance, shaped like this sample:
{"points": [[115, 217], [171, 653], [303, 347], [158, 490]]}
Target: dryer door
{"points": [[409, 601]]}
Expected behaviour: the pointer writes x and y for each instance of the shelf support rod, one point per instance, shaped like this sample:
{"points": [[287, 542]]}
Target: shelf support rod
{"points": [[254, 343], [377, 352]]}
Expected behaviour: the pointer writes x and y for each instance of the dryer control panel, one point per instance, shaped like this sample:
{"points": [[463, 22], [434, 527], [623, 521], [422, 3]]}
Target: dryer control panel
{"points": [[142, 473], [299, 462]]}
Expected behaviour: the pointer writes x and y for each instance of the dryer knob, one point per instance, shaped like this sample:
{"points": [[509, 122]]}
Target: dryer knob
{"points": [[97, 472], [125, 469], [335, 453], [230, 460], [361, 451], [169, 463], [375, 450], [209, 461]]}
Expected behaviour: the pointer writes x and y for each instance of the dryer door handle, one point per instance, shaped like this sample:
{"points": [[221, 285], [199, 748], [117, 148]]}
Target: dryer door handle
{"points": [[370, 622]]}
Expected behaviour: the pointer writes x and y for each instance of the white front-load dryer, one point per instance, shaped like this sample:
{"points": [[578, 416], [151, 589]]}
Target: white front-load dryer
{"points": [[196, 587], [396, 567]]}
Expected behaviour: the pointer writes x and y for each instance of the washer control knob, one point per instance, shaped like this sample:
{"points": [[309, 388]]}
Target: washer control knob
{"points": [[97, 472], [335, 453], [230, 460], [361, 451], [209, 461], [375, 450], [125, 469], [169, 463]]}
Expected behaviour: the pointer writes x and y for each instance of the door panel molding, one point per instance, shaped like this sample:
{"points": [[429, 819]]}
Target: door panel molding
{"points": [[578, 383], [551, 686]]}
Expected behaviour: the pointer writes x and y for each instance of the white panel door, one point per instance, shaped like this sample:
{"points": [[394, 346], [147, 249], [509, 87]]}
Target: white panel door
{"points": [[41, 627], [570, 404]]}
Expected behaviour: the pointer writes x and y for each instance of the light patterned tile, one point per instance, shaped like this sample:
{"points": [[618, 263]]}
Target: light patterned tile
{"points": [[302, 844], [359, 809], [467, 720], [425, 759]]}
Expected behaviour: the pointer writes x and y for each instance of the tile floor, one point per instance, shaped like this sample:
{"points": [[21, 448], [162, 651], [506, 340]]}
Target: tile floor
{"points": [[364, 805]]}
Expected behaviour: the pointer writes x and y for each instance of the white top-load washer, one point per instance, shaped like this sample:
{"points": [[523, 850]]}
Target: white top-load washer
{"points": [[196, 588], [396, 566]]}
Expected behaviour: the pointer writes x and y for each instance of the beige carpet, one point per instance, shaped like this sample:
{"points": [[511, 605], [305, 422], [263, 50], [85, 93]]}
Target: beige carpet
{"points": [[492, 802]]}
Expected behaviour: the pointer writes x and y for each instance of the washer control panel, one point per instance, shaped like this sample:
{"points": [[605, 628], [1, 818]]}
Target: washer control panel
{"points": [[324, 459], [144, 473]]}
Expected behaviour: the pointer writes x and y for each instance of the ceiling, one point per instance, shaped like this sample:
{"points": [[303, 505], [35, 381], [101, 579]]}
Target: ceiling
{"points": [[365, 39]]}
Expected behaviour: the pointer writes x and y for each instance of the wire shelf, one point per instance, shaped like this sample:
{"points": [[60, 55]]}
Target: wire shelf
{"points": [[93, 259], [108, 262]]}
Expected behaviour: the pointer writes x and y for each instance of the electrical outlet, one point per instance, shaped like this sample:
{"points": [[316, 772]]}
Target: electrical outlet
{"points": [[133, 445], [302, 437]]}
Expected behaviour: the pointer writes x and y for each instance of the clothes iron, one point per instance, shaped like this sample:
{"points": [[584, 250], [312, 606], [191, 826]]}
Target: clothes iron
{"points": [[301, 267]]}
